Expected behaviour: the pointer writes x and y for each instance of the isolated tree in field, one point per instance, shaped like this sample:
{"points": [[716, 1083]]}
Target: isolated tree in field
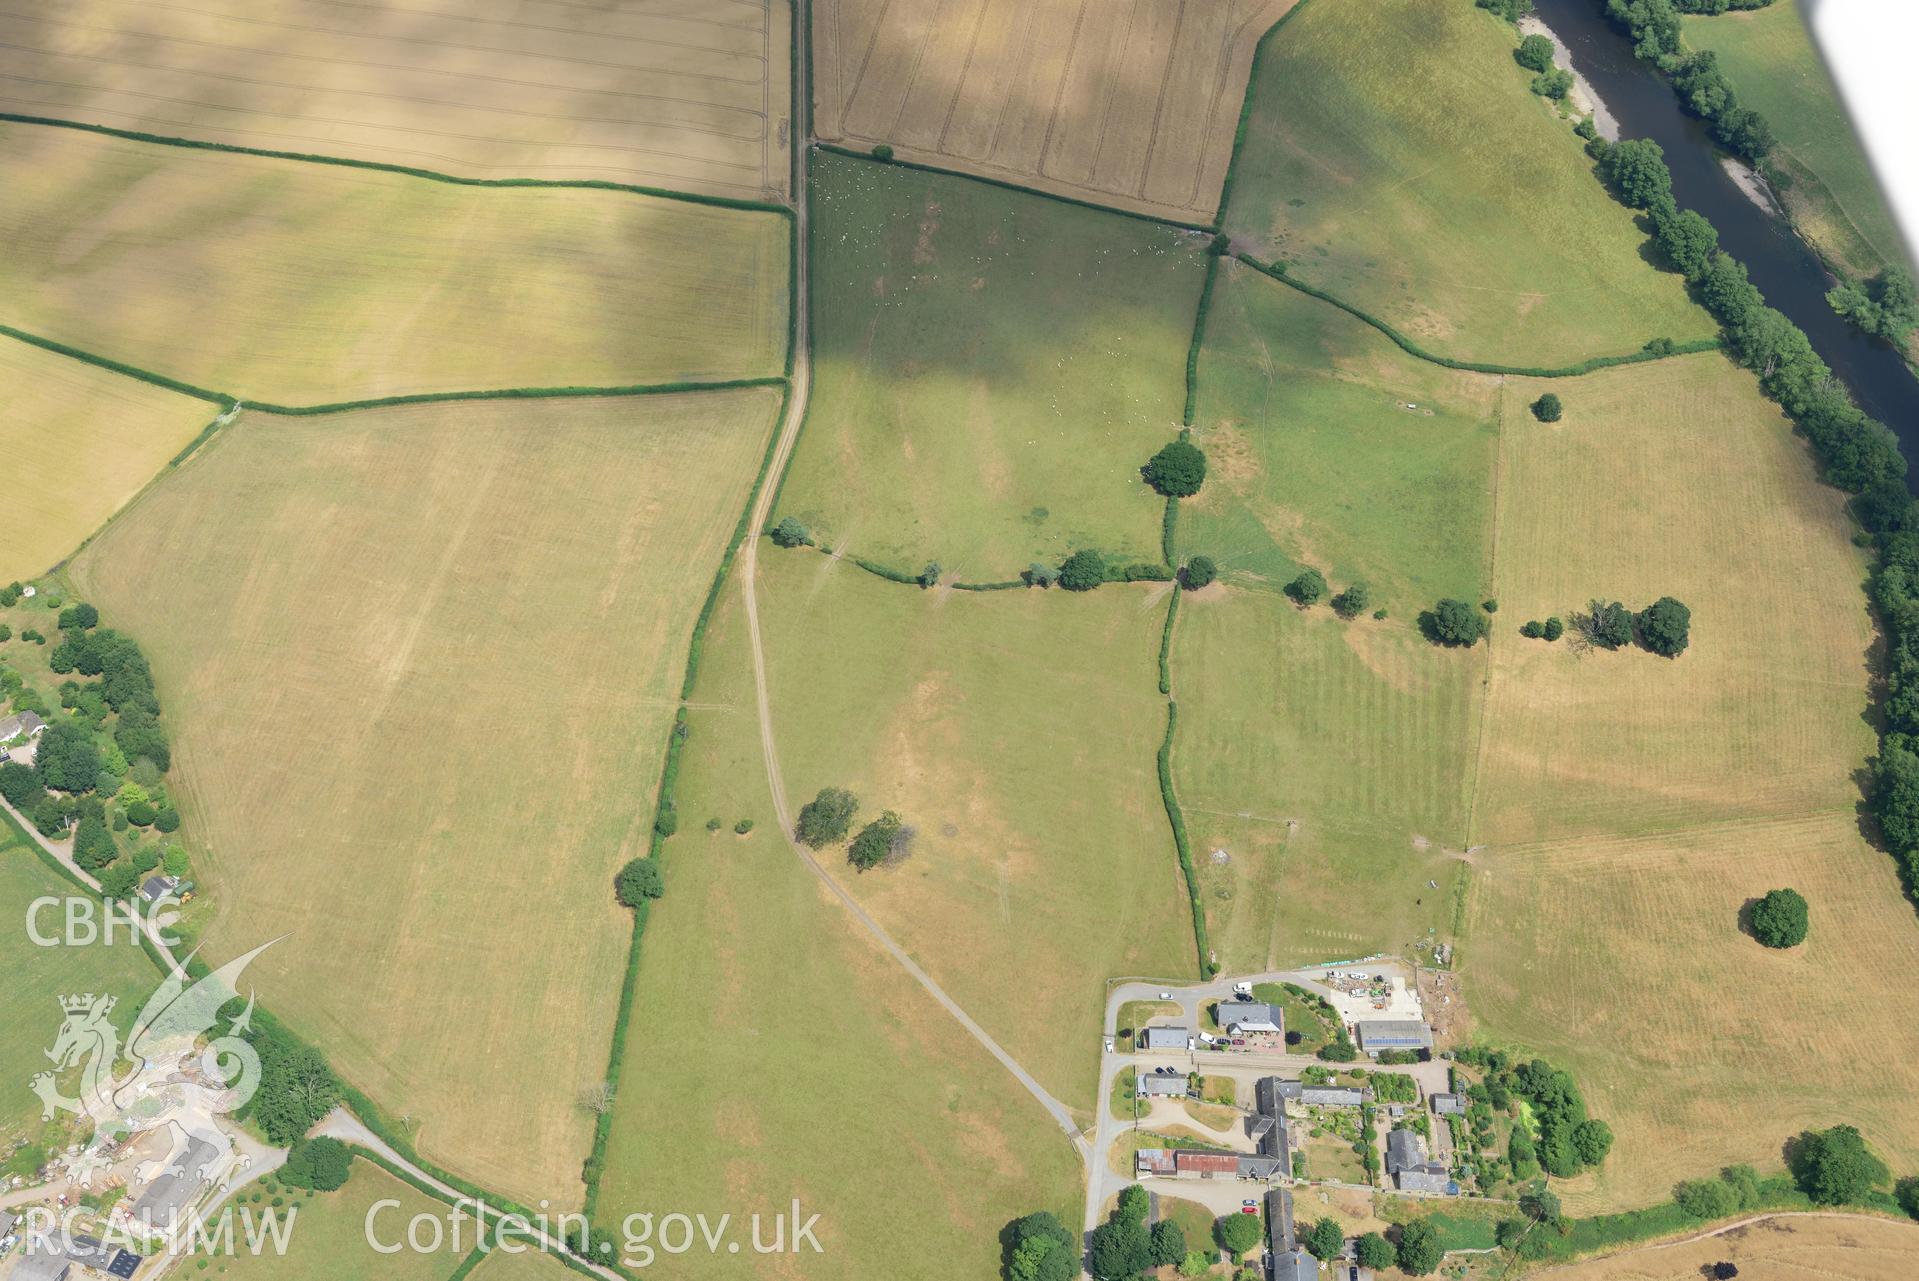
{"points": [[1198, 572], [1177, 471], [1554, 628], [875, 841], [1082, 571], [1238, 1233], [1724, 1270], [638, 881], [1121, 1250], [1323, 1240], [1665, 626], [1535, 53], [1835, 1167], [1637, 170], [1779, 919], [1353, 602], [1419, 1249], [1169, 1243], [825, 819], [1547, 408], [1308, 588], [1607, 626], [1374, 1251], [790, 533], [1454, 622], [1687, 240], [1042, 1250], [1534, 629]]}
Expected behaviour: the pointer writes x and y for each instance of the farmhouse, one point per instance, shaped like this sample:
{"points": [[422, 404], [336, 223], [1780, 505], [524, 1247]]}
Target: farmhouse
{"points": [[1246, 1017], [1166, 1038], [1261, 1169], [21, 725], [1271, 1092], [1157, 1086], [1379, 1035], [161, 1206], [1407, 1162]]}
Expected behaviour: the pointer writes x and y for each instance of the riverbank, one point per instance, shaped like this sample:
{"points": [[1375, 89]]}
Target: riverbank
{"points": [[1584, 98]]}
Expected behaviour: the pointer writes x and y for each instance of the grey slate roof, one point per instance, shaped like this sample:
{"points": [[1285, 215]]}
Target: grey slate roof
{"points": [[43, 1264], [1279, 1221], [1153, 1085], [1167, 1038], [1404, 1150], [1339, 1096], [1449, 1104], [1260, 1167], [168, 1196], [1251, 1016], [1295, 1265]]}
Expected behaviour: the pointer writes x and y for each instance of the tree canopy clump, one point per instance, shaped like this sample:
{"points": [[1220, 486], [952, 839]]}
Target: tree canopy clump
{"points": [[1736, 1188], [1323, 1239], [1308, 588], [1238, 1233], [1687, 239], [1665, 627], [1885, 306], [1123, 1247], [878, 841], [1779, 918], [1082, 571], [790, 533], [1374, 1251], [1177, 470], [1354, 601], [1637, 170], [1198, 572], [322, 1164], [1547, 408], [1453, 623], [297, 1087], [67, 760], [1039, 1248], [1835, 1167], [638, 881], [1535, 53], [824, 820], [1606, 626], [1419, 1252]]}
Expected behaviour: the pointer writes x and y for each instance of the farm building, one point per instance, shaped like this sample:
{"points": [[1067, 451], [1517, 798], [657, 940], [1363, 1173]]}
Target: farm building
{"points": [[1261, 1169], [1279, 1221], [162, 1207], [1334, 1096], [1449, 1105], [1166, 1038], [1154, 1163], [1201, 1163], [1295, 1265], [1379, 1035], [1412, 1171], [1156, 1086]]}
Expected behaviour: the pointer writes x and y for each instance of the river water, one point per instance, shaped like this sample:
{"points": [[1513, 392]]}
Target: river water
{"points": [[1786, 271]]}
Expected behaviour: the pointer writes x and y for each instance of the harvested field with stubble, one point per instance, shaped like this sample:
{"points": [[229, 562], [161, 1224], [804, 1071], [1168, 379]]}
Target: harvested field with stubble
{"points": [[53, 411], [1696, 488], [650, 92], [991, 369], [289, 282], [1132, 105], [833, 1077], [1396, 156], [1016, 731], [420, 663], [1787, 1247]]}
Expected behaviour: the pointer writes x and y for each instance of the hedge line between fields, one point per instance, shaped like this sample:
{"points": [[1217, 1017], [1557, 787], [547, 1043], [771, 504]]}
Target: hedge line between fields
{"points": [[1169, 532], [119, 367], [206, 434], [513, 393], [854, 153], [1246, 114], [1199, 337], [1277, 271], [1166, 645], [1178, 821], [410, 171]]}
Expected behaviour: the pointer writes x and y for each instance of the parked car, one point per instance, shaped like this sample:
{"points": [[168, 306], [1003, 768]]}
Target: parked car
{"points": [[1165, 996], [1208, 1037]]}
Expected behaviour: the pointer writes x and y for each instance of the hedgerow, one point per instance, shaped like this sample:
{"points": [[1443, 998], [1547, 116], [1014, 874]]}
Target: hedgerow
{"points": [[1180, 841]]}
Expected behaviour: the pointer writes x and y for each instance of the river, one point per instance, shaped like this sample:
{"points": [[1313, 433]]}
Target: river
{"points": [[1785, 269]]}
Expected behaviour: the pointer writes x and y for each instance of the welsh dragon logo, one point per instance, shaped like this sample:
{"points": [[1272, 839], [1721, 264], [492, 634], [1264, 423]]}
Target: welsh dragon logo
{"points": [[177, 1078]]}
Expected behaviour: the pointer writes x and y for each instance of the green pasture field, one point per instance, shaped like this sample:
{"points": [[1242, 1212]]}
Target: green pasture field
{"points": [[1330, 763], [776, 1052], [528, 1265], [328, 1237], [78, 443], [288, 282], [991, 370], [1396, 156], [1016, 731], [419, 664], [1709, 497], [1329, 447], [1771, 60]]}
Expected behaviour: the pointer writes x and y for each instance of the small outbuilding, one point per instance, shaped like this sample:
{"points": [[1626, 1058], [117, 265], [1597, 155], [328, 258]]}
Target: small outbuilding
{"points": [[1166, 1038]]}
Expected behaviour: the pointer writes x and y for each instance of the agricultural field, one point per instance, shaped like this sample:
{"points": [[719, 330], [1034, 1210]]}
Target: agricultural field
{"points": [[328, 1239], [1328, 447], [527, 1265], [1787, 1247], [54, 410], [1771, 60], [1708, 497], [1325, 771], [1396, 156], [402, 640], [653, 92], [990, 371], [776, 1052], [289, 282], [1132, 105], [1015, 731]]}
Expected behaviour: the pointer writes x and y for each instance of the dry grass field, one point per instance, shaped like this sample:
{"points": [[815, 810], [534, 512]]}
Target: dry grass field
{"points": [[776, 1052], [1016, 731], [1131, 104], [1395, 155], [289, 282], [419, 665], [328, 1240], [1629, 805], [1331, 763], [54, 411], [528, 1265], [1787, 1247], [655, 92], [1694, 487]]}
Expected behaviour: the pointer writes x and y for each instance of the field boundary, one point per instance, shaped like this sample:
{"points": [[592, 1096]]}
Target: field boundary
{"points": [[1246, 113], [1180, 841], [854, 153], [1691, 347], [409, 171]]}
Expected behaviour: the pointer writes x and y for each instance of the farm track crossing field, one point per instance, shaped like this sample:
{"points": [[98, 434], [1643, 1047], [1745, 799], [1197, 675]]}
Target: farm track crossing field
{"points": [[1395, 156], [1132, 104], [652, 92], [1015, 730], [990, 371], [419, 663], [1329, 447], [777, 1052], [328, 1239], [295, 283], [1782, 1248], [1709, 497], [1772, 63], [54, 411]]}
